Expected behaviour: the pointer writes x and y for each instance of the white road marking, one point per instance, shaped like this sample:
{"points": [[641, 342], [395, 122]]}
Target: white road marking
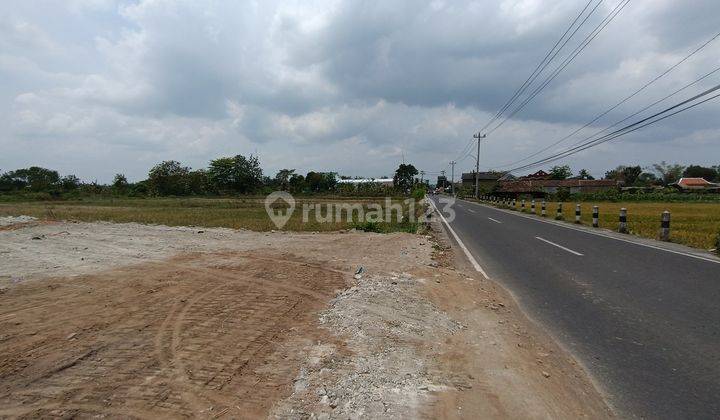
{"points": [[559, 246], [496, 221], [569, 226], [461, 244], [471, 210]]}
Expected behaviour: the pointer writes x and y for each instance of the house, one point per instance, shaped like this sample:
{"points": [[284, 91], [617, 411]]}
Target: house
{"points": [[541, 187], [696, 184], [486, 180], [537, 175]]}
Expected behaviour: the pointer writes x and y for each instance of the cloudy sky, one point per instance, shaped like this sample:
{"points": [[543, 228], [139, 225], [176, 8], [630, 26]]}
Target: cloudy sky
{"points": [[96, 87]]}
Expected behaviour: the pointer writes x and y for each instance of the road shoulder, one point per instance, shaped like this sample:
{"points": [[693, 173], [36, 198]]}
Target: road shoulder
{"points": [[518, 368]]}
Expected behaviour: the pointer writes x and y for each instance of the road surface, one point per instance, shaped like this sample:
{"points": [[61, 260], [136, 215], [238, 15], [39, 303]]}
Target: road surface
{"points": [[644, 320]]}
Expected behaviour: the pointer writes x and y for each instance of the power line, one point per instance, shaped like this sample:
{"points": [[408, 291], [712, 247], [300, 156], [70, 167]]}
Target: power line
{"points": [[544, 63], [465, 149], [655, 118], [658, 77], [588, 39], [627, 129]]}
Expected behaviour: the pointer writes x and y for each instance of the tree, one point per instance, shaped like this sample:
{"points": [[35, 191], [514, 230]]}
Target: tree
{"points": [[296, 183], [560, 172], [668, 173], [168, 178], [235, 174], [198, 182], [696, 171], [282, 178], [403, 178], [120, 183], [646, 179], [320, 181], [628, 175], [70, 183], [35, 178], [584, 174]]}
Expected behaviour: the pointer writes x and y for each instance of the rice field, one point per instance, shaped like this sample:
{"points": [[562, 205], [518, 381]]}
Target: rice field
{"points": [[241, 213], [692, 224]]}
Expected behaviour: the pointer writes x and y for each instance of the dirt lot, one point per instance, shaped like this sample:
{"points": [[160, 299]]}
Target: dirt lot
{"points": [[129, 320]]}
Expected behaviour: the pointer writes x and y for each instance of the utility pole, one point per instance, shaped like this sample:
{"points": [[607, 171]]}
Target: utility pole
{"points": [[452, 178], [442, 173], [479, 137]]}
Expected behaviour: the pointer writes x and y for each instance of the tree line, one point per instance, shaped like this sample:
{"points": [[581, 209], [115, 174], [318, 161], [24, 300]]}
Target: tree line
{"points": [[237, 175], [658, 174]]}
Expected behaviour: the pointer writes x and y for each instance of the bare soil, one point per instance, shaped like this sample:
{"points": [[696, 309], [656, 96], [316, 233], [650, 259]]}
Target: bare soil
{"points": [[137, 321]]}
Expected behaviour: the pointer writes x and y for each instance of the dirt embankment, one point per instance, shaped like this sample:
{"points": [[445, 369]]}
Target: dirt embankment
{"points": [[149, 321]]}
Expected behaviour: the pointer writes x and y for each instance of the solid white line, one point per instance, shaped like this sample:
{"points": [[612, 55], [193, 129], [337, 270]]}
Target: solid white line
{"points": [[559, 246], [461, 244], [571, 227], [496, 221]]}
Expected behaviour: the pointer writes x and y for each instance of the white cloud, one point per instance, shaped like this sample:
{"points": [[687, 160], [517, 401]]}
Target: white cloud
{"points": [[95, 87]]}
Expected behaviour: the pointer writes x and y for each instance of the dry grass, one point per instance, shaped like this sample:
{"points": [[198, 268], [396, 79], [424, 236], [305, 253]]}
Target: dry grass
{"points": [[246, 213], [693, 224]]}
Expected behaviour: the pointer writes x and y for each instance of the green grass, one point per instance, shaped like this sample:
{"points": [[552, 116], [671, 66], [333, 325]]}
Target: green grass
{"points": [[244, 213], [693, 224]]}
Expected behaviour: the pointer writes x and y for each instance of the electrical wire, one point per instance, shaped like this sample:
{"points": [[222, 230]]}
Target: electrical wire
{"points": [[661, 75], [544, 63], [655, 118], [588, 39]]}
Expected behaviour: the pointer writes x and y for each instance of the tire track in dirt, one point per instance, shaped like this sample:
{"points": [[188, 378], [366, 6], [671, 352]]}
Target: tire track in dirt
{"points": [[197, 335]]}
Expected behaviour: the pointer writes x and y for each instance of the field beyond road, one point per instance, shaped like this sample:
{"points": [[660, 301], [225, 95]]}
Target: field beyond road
{"points": [[692, 224], [235, 213]]}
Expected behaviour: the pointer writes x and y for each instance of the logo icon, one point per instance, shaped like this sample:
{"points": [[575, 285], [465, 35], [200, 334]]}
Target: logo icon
{"points": [[279, 216]]}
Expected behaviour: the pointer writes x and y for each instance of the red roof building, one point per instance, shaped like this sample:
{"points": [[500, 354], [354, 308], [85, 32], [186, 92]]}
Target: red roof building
{"points": [[696, 184]]}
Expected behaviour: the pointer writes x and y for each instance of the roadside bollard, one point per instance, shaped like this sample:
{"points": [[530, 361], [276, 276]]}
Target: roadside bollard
{"points": [[596, 216], [522, 206], [665, 226], [622, 225], [532, 206], [577, 213], [559, 214], [543, 212]]}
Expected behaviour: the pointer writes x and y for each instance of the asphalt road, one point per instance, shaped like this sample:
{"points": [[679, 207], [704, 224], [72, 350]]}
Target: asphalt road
{"points": [[644, 321]]}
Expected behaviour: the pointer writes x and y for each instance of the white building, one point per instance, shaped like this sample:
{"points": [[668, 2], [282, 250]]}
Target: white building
{"points": [[382, 181]]}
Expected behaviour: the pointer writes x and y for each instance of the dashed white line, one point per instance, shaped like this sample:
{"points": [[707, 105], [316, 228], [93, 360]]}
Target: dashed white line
{"points": [[559, 246], [461, 244], [496, 221], [471, 210]]}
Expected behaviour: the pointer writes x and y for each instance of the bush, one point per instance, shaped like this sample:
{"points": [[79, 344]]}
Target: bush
{"points": [[370, 227], [418, 191]]}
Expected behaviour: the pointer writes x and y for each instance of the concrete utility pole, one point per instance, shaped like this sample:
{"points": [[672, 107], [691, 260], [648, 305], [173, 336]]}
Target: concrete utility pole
{"points": [[479, 137], [452, 178]]}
